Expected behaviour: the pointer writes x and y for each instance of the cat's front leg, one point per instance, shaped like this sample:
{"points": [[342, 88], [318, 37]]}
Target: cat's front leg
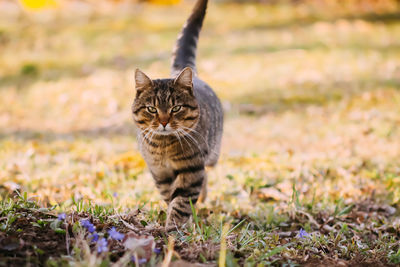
{"points": [[163, 185], [163, 178], [187, 186]]}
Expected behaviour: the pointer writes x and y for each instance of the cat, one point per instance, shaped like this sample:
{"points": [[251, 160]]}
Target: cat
{"points": [[180, 123]]}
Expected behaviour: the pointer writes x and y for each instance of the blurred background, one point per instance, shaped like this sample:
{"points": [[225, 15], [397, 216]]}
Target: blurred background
{"points": [[310, 90]]}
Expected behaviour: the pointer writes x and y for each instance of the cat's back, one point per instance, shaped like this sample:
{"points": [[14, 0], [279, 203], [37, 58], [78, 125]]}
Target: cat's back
{"points": [[211, 118], [211, 114]]}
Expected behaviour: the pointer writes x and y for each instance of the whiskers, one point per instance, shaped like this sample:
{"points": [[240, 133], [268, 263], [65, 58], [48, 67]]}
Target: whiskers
{"points": [[143, 136], [191, 141], [181, 133], [179, 139], [197, 134]]}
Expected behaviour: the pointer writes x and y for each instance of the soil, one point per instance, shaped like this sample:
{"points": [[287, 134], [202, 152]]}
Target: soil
{"points": [[26, 243]]}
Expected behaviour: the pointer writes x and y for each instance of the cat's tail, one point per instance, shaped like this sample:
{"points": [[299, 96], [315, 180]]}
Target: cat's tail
{"points": [[184, 54]]}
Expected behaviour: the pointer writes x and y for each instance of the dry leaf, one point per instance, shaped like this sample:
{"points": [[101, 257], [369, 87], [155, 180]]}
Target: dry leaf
{"points": [[271, 193], [142, 245]]}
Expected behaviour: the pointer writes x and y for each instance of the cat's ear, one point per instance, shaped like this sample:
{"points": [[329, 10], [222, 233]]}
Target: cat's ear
{"points": [[185, 78], [142, 81]]}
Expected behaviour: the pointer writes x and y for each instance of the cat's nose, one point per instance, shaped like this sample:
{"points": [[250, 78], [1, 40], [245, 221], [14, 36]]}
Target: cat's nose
{"points": [[164, 119]]}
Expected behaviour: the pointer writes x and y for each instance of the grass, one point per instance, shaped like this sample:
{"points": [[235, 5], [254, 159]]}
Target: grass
{"points": [[309, 170]]}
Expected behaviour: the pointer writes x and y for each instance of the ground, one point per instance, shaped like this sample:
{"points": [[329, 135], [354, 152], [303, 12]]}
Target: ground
{"points": [[309, 170]]}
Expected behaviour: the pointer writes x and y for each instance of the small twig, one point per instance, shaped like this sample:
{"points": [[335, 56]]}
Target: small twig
{"points": [[136, 260], [310, 217], [168, 257], [129, 226]]}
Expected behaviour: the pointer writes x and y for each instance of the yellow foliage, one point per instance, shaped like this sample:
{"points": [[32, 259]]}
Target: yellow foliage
{"points": [[38, 4], [165, 2], [129, 160]]}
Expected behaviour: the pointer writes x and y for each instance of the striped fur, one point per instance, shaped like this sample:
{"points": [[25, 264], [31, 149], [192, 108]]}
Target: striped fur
{"points": [[185, 48], [180, 126]]}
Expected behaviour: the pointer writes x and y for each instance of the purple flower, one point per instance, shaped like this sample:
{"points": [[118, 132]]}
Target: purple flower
{"points": [[115, 194], [114, 234], [85, 223], [303, 233], [102, 245], [157, 250], [140, 261], [88, 225], [94, 237], [91, 228], [61, 217]]}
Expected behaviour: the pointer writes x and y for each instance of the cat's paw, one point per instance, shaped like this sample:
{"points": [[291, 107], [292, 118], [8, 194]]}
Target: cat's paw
{"points": [[175, 222], [171, 227]]}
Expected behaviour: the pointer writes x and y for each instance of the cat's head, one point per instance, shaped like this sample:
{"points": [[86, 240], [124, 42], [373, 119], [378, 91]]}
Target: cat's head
{"points": [[165, 106]]}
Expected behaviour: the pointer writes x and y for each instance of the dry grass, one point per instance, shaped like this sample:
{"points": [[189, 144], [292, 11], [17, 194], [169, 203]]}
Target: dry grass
{"points": [[311, 97]]}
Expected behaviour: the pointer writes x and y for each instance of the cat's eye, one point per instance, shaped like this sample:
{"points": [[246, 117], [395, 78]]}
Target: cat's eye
{"points": [[176, 108], [151, 109]]}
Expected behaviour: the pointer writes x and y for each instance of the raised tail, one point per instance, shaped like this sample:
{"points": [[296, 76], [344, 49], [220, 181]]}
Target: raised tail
{"points": [[185, 49]]}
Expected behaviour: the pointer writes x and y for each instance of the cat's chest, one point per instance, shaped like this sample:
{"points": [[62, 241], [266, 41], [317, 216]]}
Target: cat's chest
{"points": [[160, 164], [158, 154], [159, 157]]}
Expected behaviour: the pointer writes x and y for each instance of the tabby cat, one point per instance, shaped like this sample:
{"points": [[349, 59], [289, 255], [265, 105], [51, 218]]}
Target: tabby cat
{"points": [[180, 125]]}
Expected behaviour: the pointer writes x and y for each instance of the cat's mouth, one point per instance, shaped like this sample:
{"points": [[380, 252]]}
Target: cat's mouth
{"points": [[164, 132]]}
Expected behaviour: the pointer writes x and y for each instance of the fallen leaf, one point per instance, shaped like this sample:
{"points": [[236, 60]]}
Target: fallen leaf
{"points": [[142, 245], [271, 193]]}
